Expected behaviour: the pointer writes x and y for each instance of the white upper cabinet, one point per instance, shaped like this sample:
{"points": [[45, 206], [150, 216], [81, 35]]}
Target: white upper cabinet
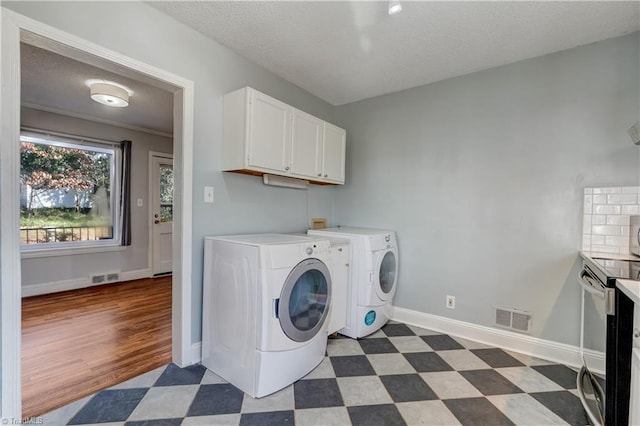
{"points": [[263, 135], [269, 131], [306, 145], [333, 153]]}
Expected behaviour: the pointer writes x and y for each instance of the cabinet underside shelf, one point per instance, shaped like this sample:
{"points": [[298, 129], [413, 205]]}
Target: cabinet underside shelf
{"points": [[257, 173]]}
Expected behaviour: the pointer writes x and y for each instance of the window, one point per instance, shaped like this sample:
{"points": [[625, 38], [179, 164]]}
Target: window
{"points": [[69, 192]]}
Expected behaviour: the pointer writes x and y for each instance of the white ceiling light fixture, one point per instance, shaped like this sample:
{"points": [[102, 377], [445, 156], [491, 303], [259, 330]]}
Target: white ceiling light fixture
{"points": [[394, 7], [109, 94]]}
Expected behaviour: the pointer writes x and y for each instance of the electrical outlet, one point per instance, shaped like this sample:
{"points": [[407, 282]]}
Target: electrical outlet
{"points": [[451, 302]]}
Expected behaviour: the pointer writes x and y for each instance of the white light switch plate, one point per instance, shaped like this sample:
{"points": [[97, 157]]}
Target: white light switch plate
{"points": [[208, 194], [139, 202]]}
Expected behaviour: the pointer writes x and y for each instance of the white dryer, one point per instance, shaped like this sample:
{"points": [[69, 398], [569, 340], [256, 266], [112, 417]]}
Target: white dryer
{"points": [[374, 270], [266, 299]]}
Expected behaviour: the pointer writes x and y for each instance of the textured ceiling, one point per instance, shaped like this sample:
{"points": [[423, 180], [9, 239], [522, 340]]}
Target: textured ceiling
{"points": [[347, 51], [54, 82]]}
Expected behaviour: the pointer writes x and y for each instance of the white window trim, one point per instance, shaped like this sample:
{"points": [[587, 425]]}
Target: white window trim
{"points": [[70, 251], [61, 248]]}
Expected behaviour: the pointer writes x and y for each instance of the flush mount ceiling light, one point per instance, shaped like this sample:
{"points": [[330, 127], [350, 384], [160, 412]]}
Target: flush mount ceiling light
{"points": [[108, 93], [394, 7]]}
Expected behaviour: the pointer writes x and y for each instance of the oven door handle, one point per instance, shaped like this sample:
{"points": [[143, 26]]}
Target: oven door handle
{"points": [[595, 415], [591, 284]]}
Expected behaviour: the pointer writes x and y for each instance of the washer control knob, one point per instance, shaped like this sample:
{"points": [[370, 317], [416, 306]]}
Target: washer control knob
{"points": [[309, 250], [387, 238]]}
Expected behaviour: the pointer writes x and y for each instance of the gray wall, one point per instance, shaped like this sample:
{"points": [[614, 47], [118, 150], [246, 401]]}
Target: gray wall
{"points": [[134, 257], [243, 204], [482, 176]]}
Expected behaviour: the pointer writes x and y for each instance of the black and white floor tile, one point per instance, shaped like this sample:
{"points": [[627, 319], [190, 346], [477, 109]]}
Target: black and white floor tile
{"points": [[399, 375]]}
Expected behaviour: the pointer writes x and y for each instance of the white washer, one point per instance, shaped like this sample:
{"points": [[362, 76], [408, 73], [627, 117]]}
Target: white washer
{"points": [[266, 299], [374, 270]]}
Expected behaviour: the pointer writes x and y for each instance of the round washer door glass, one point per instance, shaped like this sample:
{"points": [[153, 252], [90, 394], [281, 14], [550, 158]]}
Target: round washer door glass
{"points": [[304, 301], [387, 272]]}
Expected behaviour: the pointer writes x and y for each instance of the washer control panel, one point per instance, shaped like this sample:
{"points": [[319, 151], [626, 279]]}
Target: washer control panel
{"points": [[315, 248]]}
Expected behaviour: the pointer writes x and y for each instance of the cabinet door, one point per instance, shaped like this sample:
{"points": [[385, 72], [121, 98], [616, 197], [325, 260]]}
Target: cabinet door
{"points": [[306, 145], [333, 153], [269, 133]]}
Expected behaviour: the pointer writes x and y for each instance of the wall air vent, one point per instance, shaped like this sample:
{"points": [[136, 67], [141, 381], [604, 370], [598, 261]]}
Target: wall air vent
{"points": [[103, 278], [513, 319]]}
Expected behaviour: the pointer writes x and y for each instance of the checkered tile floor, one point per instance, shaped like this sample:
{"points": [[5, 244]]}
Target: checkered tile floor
{"points": [[399, 375]]}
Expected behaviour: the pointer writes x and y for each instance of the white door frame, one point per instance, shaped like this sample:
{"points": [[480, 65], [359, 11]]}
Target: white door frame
{"points": [[152, 155], [11, 24]]}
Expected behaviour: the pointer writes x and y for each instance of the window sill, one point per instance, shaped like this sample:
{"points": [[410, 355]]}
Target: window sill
{"points": [[69, 251]]}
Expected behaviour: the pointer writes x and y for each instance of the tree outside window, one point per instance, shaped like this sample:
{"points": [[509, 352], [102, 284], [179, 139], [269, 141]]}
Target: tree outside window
{"points": [[66, 191]]}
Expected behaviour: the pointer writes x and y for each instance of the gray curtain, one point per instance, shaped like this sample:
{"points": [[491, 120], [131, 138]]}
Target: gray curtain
{"points": [[125, 194]]}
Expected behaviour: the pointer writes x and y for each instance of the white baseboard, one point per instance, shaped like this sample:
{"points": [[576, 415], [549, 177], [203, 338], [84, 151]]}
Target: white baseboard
{"points": [[77, 283], [196, 352], [528, 345]]}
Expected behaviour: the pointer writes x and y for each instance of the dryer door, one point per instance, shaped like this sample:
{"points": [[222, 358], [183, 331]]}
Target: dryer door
{"points": [[304, 301], [387, 267]]}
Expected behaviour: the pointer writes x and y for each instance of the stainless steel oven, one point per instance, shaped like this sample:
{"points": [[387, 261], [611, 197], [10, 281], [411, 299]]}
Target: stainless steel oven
{"points": [[607, 318]]}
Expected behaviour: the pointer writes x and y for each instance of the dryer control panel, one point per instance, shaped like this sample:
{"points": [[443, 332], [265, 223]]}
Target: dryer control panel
{"points": [[382, 241]]}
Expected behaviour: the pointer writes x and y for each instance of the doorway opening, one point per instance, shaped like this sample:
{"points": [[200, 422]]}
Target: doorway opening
{"points": [[17, 29]]}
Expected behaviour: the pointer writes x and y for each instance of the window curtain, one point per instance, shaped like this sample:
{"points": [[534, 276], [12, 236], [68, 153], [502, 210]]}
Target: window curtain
{"points": [[125, 194]]}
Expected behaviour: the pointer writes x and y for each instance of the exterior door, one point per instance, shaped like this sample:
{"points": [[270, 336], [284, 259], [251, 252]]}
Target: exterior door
{"points": [[162, 214], [304, 301]]}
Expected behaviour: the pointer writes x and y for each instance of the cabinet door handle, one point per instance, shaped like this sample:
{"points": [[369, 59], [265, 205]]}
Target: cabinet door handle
{"points": [[319, 174], [286, 168], [325, 176]]}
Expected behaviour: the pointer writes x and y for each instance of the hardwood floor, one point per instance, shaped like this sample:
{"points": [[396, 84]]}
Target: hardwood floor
{"points": [[78, 342]]}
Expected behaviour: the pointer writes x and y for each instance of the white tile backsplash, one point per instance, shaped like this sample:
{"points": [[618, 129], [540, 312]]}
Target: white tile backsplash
{"points": [[588, 203], [610, 190], [622, 199], [600, 199], [605, 226], [606, 230], [604, 209], [617, 219]]}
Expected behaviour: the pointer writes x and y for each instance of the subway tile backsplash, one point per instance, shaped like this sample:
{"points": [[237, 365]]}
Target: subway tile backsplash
{"points": [[605, 225]]}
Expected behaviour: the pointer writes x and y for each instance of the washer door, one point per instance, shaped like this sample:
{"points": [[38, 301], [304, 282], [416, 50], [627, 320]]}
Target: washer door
{"points": [[304, 301], [387, 267]]}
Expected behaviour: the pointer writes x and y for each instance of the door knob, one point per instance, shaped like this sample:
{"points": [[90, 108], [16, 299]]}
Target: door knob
{"points": [[156, 221]]}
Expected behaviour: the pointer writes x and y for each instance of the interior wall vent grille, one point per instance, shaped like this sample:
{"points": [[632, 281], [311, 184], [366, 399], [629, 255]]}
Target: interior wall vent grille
{"points": [[107, 277], [513, 319]]}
